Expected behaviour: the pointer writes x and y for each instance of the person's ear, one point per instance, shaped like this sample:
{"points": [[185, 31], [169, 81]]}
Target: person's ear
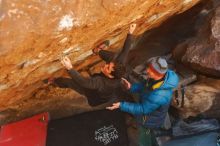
{"points": [[147, 69]]}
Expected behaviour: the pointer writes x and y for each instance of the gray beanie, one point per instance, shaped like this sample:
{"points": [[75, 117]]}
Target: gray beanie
{"points": [[159, 64]]}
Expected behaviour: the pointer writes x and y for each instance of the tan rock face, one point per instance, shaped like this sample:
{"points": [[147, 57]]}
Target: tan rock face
{"points": [[34, 34], [202, 98]]}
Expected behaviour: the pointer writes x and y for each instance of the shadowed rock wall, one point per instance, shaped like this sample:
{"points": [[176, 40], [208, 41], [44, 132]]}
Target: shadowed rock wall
{"points": [[202, 52]]}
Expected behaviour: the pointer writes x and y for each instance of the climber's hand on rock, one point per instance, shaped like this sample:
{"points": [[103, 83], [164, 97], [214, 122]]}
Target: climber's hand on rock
{"points": [[66, 63], [132, 28]]}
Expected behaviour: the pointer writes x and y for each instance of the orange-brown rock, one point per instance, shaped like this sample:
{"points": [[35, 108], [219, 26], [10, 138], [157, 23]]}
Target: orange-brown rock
{"points": [[34, 34]]}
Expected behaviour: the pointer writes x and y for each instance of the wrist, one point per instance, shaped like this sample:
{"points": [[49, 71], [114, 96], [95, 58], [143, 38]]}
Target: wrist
{"points": [[120, 103]]}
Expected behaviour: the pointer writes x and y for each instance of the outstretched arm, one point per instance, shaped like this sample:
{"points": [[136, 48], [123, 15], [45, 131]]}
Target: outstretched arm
{"points": [[90, 83], [122, 56], [109, 56], [139, 108], [135, 108]]}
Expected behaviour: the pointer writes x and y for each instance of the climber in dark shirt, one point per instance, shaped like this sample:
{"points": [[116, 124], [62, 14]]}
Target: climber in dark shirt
{"points": [[133, 75], [104, 86]]}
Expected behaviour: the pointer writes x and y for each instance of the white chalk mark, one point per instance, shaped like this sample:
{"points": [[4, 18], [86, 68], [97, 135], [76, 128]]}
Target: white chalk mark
{"points": [[67, 22], [186, 1], [12, 11], [2, 17], [3, 87]]}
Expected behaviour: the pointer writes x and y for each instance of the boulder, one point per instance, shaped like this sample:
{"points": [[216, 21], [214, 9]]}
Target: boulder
{"points": [[35, 34], [201, 98], [202, 52]]}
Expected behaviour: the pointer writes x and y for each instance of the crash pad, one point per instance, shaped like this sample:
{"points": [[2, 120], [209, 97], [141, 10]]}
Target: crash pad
{"points": [[28, 132], [206, 139], [97, 128]]}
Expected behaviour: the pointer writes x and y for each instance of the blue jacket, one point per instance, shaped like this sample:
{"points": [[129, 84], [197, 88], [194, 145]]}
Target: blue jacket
{"points": [[153, 104]]}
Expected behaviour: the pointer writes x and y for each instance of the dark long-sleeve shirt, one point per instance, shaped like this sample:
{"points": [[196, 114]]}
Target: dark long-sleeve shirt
{"points": [[98, 86], [120, 57], [103, 87]]}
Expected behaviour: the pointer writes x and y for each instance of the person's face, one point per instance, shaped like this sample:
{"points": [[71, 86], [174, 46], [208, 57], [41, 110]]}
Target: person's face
{"points": [[108, 68], [151, 74]]}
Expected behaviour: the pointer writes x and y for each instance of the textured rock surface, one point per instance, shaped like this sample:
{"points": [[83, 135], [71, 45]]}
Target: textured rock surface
{"points": [[35, 33], [202, 52], [202, 98]]}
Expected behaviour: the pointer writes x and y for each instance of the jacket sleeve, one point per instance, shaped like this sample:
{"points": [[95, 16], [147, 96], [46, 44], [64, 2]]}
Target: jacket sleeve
{"points": [[90, 83], [139, 108], [136, 87], [122, 56], [129, 41]]}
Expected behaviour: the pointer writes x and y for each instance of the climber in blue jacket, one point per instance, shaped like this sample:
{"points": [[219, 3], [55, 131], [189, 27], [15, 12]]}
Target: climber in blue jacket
{"points": [[155, 94]]}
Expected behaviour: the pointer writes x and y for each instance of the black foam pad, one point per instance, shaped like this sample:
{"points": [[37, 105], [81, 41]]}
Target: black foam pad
{"points": [[98, 128]]}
